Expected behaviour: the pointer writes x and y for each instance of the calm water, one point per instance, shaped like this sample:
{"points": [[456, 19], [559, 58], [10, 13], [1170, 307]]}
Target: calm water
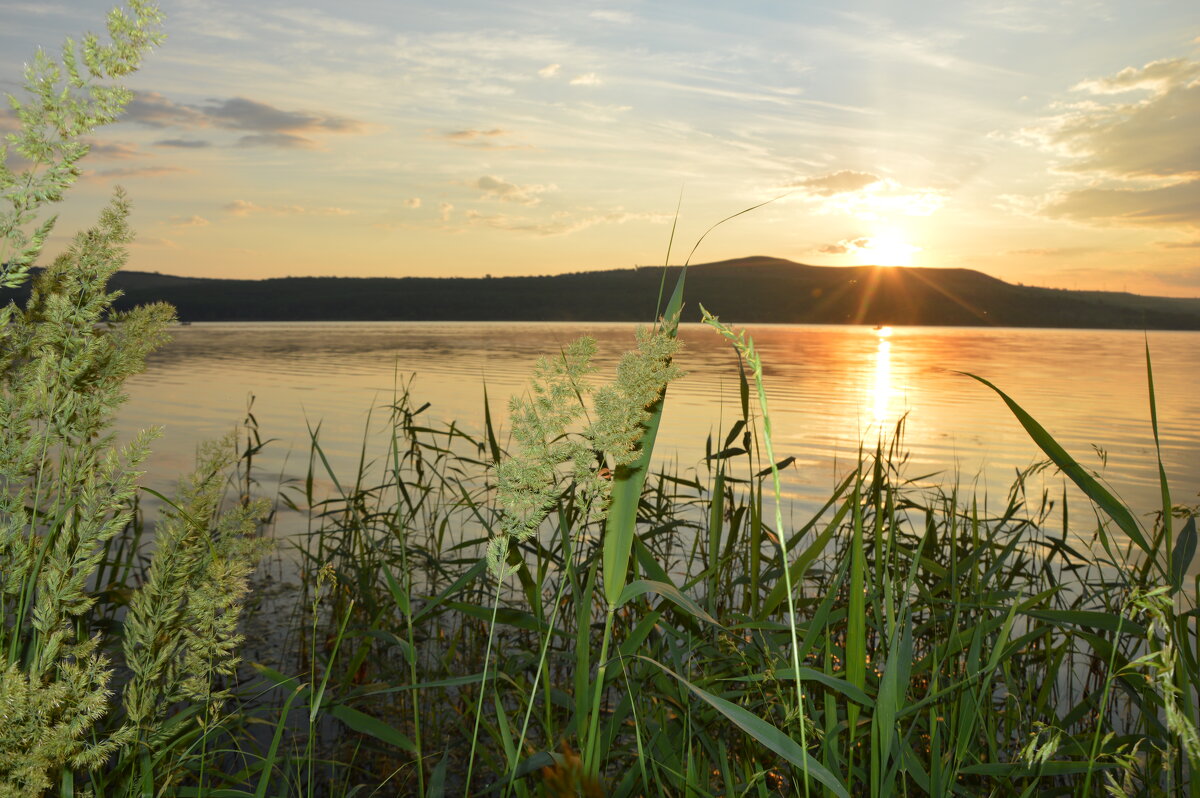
{"points": [[830, 389]]}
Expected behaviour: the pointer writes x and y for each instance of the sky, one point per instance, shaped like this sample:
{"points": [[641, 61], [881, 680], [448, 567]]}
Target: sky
{"points": [[1050, 143]]}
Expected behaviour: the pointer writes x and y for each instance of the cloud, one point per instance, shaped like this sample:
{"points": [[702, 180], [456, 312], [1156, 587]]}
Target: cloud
{"points": [[867, 196], [151, 109], [500, 189], [325, 23], [412, 202], [287, 141], [186, 144], [837, 183], [884, 249], [1055, 252], [845, 246], [1189, 278], [481, 139], [549, 71], [444, 211], [1157, 76], [137, 171], [1171, 206], [1152, 138], [188, 221], [113, 150], [265, 125], [612, 15], [586, 79], [39, 8], [472, 135], [239, 113], [246, 208], [561, 223], [1178, 244]]}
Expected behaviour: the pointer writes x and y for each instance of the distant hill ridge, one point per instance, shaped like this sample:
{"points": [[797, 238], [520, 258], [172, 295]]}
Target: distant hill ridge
{"points": [[746, 290]]}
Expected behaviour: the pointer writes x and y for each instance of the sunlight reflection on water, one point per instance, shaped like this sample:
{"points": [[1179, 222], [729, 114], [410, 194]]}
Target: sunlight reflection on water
{"points": [[830, 389]]}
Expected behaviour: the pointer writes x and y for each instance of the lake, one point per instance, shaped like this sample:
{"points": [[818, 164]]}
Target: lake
{"points": [[830, 390]]}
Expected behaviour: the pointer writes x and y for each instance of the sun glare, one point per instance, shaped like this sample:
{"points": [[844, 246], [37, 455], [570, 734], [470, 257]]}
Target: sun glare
{"points": [[887, 249]]}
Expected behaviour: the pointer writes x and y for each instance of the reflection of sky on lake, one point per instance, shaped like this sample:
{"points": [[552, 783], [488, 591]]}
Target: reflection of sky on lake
{"points": [[830, 390]]}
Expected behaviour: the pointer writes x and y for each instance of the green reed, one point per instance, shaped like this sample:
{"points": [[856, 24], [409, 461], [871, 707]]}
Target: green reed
{"points": [[542, 612], [942, 644]]}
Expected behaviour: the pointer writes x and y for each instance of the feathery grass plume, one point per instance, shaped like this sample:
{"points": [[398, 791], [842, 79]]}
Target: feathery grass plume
{"points": [[65, 491], [1156, 606], [622, 409], [181, 632], [65, 102], [530, 481]]}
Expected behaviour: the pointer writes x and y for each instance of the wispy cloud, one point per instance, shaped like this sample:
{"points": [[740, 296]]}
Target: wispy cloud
{"points": [[152, 109], [412, 202], [615, 16], [837, 183], [185, 144], [1150, 138], [493, 139], [188, 221], [500, 189], [1157, 76], [866, 196], [1172, 206], [560, 223], [309, 19], [246, 208], [1140, 158], [549, 71], [586, 79], [1054, 252], [846, 246], [287, 141], [263, 124], [112, 150], [136, 171]]}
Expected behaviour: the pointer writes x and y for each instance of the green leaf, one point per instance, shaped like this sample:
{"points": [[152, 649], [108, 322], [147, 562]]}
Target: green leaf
{"points": [[1112, 506], [667, 591], [1185, 551], [437, 780], [364, 723], [1108, 621], [765, 733]]}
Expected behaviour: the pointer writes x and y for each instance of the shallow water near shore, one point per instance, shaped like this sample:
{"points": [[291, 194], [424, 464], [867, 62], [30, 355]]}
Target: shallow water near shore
{"points": [[831, 390]]}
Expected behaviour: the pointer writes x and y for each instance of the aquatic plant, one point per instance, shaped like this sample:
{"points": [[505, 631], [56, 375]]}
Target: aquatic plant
{"points": [[68, 491]]}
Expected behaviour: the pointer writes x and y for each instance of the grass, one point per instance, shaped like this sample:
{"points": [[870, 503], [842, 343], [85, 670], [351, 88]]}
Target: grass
{"points": [[542, 613], [936, 645]]}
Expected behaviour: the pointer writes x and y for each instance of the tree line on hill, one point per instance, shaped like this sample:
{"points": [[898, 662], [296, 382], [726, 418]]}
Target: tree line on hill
{"points": [[748, 290]]}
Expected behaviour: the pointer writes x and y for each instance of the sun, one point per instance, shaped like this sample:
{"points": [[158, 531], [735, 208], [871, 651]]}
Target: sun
{"points": [[887, 248]]}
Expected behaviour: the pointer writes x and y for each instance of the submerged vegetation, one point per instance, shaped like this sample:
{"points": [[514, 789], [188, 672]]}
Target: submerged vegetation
{"points": [[543, 613]]}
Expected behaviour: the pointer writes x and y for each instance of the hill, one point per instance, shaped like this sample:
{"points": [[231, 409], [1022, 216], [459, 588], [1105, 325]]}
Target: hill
{"points": [[754, 289]]}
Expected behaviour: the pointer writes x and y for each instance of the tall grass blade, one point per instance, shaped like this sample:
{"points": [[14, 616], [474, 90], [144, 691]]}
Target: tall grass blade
{"points": [[1185, 552], [765, 733], [1077, 474]]}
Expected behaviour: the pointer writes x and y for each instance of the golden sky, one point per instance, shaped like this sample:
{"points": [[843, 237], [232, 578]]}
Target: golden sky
{"points": [[1048, 143]]}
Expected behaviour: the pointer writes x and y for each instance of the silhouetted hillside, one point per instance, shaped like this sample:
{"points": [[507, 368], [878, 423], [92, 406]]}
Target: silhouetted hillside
{"points": [[756, 289]]}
